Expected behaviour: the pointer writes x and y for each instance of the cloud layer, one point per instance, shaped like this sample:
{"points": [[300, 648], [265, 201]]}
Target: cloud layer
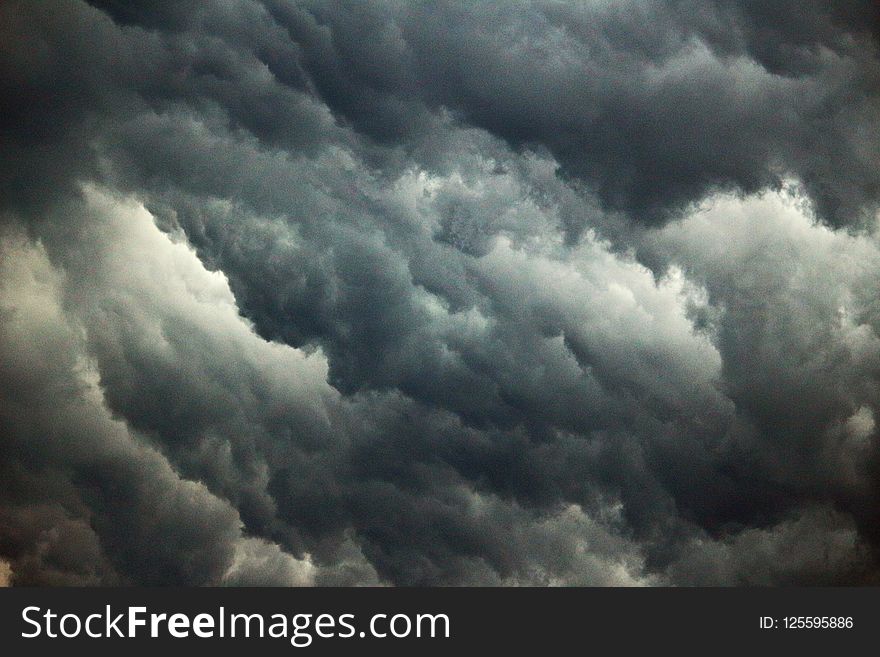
{"points": [[439, 293]]}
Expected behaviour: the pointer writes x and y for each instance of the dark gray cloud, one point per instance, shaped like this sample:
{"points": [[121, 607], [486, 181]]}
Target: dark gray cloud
{"points": [[652, 104], [439, 293]]}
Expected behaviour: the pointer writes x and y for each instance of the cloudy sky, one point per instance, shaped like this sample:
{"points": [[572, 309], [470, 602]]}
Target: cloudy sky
{"points": [[407, 293]]}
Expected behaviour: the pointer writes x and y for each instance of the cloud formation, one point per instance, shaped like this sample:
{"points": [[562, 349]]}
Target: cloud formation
{"points": [[439, 293]]}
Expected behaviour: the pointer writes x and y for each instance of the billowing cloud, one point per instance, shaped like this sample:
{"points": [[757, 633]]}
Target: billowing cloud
{"points": [[443, 293]]}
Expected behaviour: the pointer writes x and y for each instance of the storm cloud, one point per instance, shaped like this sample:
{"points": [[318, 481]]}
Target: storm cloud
{"points": [[439, 293]]}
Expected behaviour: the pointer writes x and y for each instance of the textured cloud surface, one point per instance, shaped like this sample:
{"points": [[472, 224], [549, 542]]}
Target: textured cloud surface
{"points": [[439, 293]]}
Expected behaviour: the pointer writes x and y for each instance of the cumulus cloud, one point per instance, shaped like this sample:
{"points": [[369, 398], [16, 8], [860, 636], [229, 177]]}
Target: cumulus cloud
{"points": [[79, 485], [443, 293]]}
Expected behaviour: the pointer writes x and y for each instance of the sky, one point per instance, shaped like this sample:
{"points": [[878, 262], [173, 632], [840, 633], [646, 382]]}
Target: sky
{"points": [[439, 293]]}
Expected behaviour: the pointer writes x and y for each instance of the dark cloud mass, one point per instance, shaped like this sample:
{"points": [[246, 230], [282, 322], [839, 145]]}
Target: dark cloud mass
{"points": [[439, 292]]}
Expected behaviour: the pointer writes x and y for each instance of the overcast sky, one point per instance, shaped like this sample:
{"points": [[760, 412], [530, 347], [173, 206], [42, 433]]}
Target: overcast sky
{"points": [[414, 293]]}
